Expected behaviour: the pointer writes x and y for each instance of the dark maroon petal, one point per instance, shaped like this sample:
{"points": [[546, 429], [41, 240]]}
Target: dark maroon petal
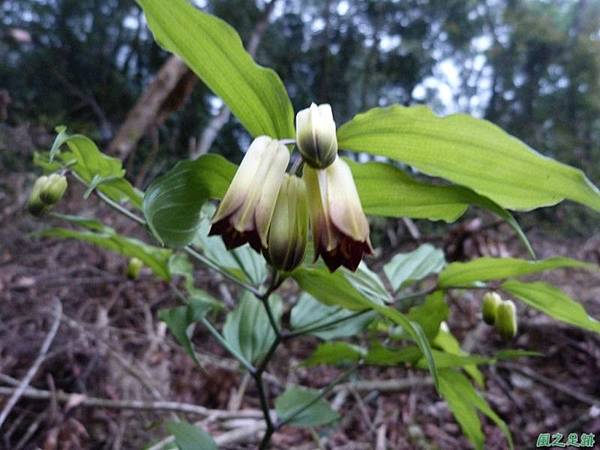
{"points": [[233, 238]]}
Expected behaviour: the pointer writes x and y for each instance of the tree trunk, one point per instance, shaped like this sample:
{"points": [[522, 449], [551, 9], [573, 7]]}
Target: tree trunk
{"points": [[165, 94]]}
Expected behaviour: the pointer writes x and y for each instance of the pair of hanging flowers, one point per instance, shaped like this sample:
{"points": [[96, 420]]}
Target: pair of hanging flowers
{"points": [[270, 209]]}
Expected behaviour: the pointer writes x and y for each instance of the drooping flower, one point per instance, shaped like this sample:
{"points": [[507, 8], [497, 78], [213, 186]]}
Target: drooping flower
{"points": [[289, 226], [339, 225], [46, 192], [315, 136], [35, 205], [54, 189], [506, 319], [489, 308], [245, 212]]}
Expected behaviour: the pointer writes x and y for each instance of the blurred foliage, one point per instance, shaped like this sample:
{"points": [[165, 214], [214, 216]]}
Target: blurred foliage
{"points": [[531, 66]]}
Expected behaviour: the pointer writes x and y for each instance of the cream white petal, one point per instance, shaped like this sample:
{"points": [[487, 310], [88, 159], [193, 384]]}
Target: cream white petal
{"points": [[344, 206]]}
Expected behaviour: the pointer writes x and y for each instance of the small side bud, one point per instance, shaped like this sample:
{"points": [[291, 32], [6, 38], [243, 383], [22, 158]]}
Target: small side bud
{"points": [[316, 137], [35, 205], [54, 189], [506, 319], [134, 268], [288, 232], [489, 308]]}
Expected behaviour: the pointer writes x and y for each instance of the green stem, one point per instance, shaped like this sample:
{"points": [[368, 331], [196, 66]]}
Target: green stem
{"points": [[207, 262], [188, 249], [276, 281], [212, 330], [110, 202]]}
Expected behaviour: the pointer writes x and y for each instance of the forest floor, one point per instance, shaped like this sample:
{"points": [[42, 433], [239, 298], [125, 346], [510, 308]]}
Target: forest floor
{"points": [[110, 345]]}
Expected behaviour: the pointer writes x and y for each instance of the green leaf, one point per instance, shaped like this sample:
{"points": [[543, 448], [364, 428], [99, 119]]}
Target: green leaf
{"points": [[446, 341], [242, 262], [388, 191], [368, 283], [310, 314], [173, 202], [469, 152], [331, 289], [385, 190], [384, 356], [190, 437], [90, 164], [553, 302], [465, 402], [247, 328], [381, 355], [487, 268], [179, 264], [295, 398], [404, 268], [456, 395], [157, 259], [335, 353], [181, 318], [430, 314], [335, 289], [413, 330], [214, 51], [60, 139]]}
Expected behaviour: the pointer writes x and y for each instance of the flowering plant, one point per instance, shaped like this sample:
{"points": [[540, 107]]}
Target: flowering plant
{"points": [[258, 236]]}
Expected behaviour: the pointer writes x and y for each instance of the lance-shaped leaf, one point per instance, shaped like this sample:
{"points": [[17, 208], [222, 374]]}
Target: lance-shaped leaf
{"points": [[465, 403], [413, 266], [552, 301], [335, 289], [157, 259], [469, 152], [313, 317], [303, 407], [247, 328], [98, 170], [487, 268], [385, 190], [190, 437], [214, 51]]}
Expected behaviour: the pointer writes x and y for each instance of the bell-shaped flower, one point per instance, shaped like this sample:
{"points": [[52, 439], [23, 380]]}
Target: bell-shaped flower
{"points": [[289, 226], [315, 136], [245, 212], [339, 226]]}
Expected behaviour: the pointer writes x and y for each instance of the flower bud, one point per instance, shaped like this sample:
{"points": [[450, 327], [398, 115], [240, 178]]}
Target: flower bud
{"points": [[491, 301], [35, 205], [289, 226], [53, 189], [506, 319], [134, 267], [245, 212], [315, 136]]}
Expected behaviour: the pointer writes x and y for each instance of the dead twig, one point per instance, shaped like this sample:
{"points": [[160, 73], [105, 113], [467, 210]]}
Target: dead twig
{"points": [[231, 437], [137, 405], [384, 385], [22, 387]]}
